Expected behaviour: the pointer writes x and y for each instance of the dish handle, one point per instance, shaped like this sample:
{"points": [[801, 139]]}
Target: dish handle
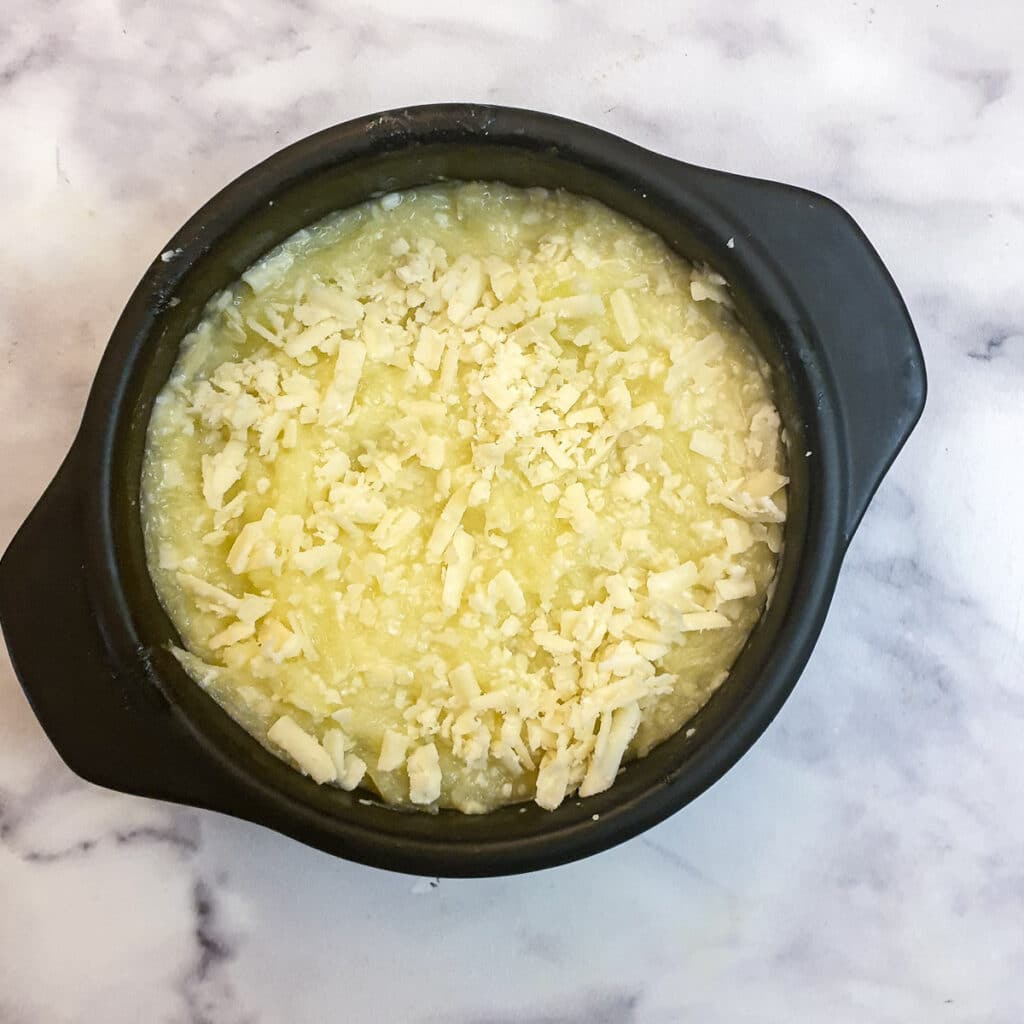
{"points": [[855, 310], [111, 727]]}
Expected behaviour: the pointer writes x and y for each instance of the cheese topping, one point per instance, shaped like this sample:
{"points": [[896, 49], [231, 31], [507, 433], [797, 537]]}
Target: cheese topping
{"points": [[467, 496]]}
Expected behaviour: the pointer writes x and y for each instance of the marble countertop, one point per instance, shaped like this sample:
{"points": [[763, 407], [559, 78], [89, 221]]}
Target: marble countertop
{"points": [[864, 861]]}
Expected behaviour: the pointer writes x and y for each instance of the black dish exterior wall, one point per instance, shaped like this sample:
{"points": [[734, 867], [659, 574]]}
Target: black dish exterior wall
{"points": [[819, 303]]}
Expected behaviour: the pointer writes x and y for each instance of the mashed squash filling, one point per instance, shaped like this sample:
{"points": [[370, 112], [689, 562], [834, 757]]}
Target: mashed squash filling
{"points": [[465, 496]]}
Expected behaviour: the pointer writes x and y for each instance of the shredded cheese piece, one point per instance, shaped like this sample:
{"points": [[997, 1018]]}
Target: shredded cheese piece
{"points": [[337, 401], [424, 774], [307, 753]]}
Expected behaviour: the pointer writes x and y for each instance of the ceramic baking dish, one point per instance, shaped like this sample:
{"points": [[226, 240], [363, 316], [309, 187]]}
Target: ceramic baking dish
{"points": [[89, 639]]}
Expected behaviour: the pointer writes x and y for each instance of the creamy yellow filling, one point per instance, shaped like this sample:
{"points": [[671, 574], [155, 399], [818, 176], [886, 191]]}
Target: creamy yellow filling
{"points": [[466, 495]]}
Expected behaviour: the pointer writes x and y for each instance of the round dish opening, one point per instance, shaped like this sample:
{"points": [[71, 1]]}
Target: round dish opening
{"points": [[336, 170]]}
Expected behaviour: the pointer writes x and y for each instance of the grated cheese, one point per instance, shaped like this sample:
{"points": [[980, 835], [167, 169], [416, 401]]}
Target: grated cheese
{"points": [[307, 753], [466, 496]]}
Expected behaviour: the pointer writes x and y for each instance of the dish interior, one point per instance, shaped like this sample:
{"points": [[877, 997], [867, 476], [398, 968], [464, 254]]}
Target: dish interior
{"points": [[230, 237], [589, 415]]}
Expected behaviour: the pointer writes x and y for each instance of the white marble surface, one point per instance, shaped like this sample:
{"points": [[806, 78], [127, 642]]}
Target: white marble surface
{"points": [[865, 862]]}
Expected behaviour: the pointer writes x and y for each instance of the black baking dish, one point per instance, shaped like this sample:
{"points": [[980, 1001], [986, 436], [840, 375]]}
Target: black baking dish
{"points": [[88, 637]]}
